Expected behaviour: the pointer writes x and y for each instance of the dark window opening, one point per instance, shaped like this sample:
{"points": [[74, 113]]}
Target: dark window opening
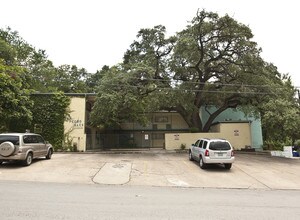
{"points": [[10, 138], [219, 145]]}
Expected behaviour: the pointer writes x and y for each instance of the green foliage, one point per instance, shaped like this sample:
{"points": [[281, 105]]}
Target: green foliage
{"points": [[94, 79], [126, 97], [67, 144], [7, 53], [152, 49], [213, 61], [14, 96], [51, 112], [297, 143], [274, 145], [183, 146], [70, 79], [280, 115], [39, 72], [218, 63], [194, 130]]}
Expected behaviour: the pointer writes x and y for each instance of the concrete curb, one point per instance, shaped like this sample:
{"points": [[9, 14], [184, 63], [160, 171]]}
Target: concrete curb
{"points": [[154, 151]]}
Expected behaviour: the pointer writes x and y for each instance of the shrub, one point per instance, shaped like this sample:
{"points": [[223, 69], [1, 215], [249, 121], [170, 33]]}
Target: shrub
{"points": [[297, 143], [182, 146], [50, 113], [194, 130], [273, 145]]}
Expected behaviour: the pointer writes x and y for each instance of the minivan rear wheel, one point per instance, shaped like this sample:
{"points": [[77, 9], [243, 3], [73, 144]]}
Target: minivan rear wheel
{"points": [[227, 166], [201, 163]]}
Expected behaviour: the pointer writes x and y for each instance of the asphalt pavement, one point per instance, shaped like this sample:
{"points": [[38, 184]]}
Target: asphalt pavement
{"points": [[48, 201], [167, 169]]}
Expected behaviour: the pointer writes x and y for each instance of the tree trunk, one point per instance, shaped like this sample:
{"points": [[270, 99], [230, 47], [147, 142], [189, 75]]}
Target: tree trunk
{"points": [[196, 121], [212, 117], [193, 120]]}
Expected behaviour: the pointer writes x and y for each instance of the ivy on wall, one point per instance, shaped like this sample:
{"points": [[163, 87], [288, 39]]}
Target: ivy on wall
{"points": [[49, 114]]}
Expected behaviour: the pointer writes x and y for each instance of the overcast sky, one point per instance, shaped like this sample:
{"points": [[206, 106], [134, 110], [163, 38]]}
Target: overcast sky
{"points": [[93, 33]]}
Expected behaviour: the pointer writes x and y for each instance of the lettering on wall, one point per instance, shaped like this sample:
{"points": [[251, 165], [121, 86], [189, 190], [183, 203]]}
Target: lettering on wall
{"points": [[77, 123]]}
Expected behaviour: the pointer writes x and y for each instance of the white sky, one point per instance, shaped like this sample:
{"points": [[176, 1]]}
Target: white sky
{"points": [[93, 33]]}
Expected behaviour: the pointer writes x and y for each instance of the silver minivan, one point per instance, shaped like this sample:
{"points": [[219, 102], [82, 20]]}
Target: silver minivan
{"points": [[23, 147], [212, 151]]}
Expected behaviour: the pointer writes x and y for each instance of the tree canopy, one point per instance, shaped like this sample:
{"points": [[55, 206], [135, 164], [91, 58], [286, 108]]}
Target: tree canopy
{"points": [[14, 89], [212, 62], [24, 71]]}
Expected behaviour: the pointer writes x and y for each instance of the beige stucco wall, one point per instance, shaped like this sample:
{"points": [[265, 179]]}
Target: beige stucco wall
{"points": [[238, 134], [75, 126], [215, 128]]}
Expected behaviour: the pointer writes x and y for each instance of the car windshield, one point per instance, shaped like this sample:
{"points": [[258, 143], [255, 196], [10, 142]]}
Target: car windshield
{"points": [[219, 145], [11, 138]]}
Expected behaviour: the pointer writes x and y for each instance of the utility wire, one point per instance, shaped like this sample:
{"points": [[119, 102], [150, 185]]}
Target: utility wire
{"points": [[199, 83], [198, 90]]}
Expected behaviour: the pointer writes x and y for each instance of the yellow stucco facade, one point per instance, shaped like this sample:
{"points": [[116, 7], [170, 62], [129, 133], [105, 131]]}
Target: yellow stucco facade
{"points": [[165, 130], [238, 134], [75, 127]]}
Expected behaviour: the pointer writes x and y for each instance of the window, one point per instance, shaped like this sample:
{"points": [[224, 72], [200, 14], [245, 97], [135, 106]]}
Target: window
{"points": [[197, 143], [161, 119], [201, 143], [219, 145], [205, 145], [29, 139], [39, 139], [33, 139], [158, 136], [10, 138]]}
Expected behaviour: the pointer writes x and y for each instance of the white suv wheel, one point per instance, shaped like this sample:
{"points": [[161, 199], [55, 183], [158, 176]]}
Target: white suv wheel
{"points": [[201, 163], [190, 156]]}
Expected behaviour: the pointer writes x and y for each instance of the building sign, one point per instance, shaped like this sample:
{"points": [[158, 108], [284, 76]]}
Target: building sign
{"points": [[236, 133], [176, 136], [77, 123]]}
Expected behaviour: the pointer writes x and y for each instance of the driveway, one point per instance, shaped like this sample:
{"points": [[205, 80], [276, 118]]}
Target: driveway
{"points": [[158, 169]]}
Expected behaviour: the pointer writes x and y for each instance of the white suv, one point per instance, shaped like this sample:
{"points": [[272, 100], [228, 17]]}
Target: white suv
{"points": [[23, 147], [212, 151]]}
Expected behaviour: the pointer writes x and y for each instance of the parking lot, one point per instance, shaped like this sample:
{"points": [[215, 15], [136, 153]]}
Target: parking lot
{"points": [[158, 169]]}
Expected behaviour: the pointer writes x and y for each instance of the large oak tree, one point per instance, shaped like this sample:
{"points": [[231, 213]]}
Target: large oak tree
{"points": [[212, 62]]}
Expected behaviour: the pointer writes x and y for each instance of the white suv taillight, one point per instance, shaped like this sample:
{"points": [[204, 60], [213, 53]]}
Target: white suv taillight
{"points": [[206, 153], [232, 153]]}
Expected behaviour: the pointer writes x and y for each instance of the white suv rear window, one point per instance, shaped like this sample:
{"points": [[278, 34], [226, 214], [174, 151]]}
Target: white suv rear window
{"points": [[219, 145], [11, 138]]}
